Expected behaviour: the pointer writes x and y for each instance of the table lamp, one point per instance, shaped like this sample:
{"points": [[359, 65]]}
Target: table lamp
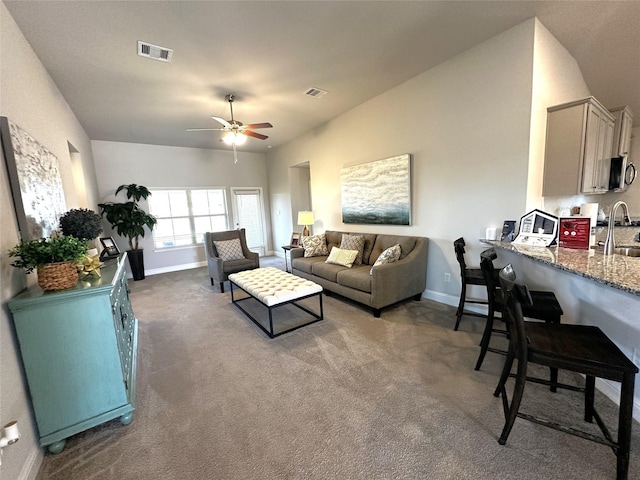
{"points": [[305, 218]]}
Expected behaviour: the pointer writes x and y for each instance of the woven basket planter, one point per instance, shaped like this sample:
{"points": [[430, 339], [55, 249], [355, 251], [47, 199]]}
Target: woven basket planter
{"points": [[57, 276]]}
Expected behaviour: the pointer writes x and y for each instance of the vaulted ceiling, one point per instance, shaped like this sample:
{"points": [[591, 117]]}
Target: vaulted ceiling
{"points": [[268, 53]]}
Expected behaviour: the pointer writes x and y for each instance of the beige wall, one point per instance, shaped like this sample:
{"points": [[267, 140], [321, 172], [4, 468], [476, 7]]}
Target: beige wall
{"points": [[30, 99], [157, 166], [466, 123]]}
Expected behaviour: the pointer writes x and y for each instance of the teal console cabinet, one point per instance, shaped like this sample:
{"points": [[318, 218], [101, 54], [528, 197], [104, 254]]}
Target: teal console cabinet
{"points": [[78, 348]]}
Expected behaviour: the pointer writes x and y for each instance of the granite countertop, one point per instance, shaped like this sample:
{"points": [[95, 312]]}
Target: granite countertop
{"points": [[617, 271]]}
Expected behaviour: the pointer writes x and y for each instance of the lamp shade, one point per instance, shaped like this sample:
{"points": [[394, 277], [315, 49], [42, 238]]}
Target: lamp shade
{"points": [[305, 218]]}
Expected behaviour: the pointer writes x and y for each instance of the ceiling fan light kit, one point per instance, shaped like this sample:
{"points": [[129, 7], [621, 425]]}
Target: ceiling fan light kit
{"points": [[235, 132], [231, 138]]}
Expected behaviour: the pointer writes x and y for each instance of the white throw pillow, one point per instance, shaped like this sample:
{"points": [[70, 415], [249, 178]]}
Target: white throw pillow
{"points": [[342, 257], [390, 255], [229, 249]]}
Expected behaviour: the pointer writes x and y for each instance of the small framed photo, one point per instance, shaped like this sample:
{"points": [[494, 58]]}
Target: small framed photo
{"points": [[295, 239], [110, 247]]}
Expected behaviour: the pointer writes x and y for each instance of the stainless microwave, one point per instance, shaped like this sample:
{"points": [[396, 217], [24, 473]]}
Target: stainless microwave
{"points": [[622, 174]]}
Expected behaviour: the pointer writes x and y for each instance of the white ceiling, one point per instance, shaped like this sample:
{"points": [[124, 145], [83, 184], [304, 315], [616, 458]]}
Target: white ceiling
{"points": [[269, 52]]}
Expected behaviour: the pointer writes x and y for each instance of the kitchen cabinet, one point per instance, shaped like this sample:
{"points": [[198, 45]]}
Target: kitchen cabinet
{"points": [[578, 148], [78, 347], [622, 131]]}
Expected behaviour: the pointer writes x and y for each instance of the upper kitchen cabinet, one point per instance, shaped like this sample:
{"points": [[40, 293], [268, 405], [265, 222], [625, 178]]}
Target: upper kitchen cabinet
{"points": [[622, 131], [578, 148]]}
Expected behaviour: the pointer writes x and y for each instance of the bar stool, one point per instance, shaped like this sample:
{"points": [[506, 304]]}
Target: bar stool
{"points": [[468, 276], [579, 348], [545, 306]]}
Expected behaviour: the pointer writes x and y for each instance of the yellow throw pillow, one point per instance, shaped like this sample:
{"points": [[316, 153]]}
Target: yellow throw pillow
{"points": [[342, 257]]}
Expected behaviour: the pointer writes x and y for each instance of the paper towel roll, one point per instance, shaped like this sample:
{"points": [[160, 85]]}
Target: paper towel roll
{"points": [[491, 233], [590, 210]]}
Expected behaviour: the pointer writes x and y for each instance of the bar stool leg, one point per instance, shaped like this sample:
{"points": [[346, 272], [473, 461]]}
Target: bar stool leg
{"points": [[589, 397], [624, 425], [463, 295], [486, 338]]}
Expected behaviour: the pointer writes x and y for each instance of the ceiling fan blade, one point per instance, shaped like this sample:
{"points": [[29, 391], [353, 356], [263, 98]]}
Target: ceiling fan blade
{"points": [[255, 135], [222, 121], [259, 125], [204, 129]]}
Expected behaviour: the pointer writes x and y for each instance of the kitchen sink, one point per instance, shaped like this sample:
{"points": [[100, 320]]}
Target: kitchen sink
{"points": [[628, 251]]}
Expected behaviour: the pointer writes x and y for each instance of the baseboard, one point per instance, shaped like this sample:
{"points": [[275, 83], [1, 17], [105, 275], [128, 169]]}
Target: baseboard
{"points": [[32, 465], [612, 391], [452, 301], [175, 268]]}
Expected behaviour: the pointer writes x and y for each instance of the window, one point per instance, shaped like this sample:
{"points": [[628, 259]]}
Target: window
{"points": [[185, 215]]}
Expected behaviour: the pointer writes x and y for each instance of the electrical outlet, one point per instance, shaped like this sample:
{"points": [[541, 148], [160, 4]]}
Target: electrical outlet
{"points": [[447, 277]]}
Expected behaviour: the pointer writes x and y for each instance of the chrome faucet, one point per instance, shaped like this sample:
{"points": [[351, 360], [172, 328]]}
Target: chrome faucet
{"points": [[610, 242]]}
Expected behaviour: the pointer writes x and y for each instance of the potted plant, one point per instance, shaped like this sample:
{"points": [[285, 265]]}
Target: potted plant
{"points": [[81, 223], [129, 220], [54, 259], [84, 224]]}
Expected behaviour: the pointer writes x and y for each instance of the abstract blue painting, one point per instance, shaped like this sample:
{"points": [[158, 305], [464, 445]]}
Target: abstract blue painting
{"points": [[377, 192]]}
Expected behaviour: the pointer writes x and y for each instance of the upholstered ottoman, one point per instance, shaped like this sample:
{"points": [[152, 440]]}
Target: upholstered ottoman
{"points": [[274, 288]]}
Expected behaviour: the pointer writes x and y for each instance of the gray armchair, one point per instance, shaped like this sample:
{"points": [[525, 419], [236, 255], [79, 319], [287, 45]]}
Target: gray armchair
{"points": [[220, 269]]}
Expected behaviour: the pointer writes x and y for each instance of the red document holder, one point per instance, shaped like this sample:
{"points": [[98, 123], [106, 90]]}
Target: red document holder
{"points": [[574, 232]]}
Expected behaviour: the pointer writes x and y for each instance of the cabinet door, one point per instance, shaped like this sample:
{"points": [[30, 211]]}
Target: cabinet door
{"points": [[597, 147], [626, 124]]}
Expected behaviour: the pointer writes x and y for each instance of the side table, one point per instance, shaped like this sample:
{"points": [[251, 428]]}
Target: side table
{"points": [[287, 248]]}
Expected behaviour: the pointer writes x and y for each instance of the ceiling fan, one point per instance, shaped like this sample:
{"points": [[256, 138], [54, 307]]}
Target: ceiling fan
{"points": [[235, 132]]}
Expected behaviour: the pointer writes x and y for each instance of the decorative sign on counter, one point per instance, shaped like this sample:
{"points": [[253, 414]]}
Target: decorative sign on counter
{"points": [[574, 232], [537, 229]]}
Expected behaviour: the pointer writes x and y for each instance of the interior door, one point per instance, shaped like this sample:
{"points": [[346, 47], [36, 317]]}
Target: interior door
{"points": [[248, 213]]}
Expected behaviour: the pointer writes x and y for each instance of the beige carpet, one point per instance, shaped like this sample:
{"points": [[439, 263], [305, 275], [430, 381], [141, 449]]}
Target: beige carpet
{"points": [[350, 397]]}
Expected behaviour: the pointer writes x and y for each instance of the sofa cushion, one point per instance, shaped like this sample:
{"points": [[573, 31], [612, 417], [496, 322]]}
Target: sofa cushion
{"points": [[229, 249], [341, 256], [357, 277], [328, 271], [353, 242], [315, 246], [390, 255], [385, 241], [305, 264]]}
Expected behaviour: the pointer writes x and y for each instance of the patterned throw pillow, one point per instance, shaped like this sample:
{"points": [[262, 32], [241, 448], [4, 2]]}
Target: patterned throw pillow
{"points": [[342, 257], [315, 246], [390, 255], [353, 242], [229, 249]]}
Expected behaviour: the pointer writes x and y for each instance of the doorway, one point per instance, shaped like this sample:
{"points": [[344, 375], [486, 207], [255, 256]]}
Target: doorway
{"points": [[248, 213]]}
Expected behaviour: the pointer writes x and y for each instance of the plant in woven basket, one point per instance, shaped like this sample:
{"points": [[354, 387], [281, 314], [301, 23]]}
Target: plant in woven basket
{"points": [[81, 223], [55, 260]]}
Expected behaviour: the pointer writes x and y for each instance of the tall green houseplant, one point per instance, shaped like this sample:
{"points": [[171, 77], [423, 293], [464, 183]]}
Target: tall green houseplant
{"points": [[129, 220]]}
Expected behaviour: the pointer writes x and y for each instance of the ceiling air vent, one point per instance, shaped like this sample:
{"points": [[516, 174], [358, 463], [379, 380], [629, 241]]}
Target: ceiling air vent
{"points": [[154, 52], [316, 92]]}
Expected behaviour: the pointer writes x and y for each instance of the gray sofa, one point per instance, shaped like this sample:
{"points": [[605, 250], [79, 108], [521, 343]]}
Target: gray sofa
{"points": [[389, 283]]}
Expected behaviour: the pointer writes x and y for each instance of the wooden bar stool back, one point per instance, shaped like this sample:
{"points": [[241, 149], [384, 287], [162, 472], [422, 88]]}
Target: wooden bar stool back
{"points": [[579, 348], [545, 305], [468, 276]]}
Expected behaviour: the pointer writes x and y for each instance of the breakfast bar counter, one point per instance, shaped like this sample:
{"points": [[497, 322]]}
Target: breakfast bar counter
{"points": [[617, 271]]}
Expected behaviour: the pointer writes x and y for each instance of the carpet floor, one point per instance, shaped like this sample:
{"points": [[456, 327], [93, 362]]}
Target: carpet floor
{"points": [[350, 397]]}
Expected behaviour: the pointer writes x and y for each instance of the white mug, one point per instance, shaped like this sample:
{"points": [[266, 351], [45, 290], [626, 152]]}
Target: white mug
{"points": [[491, 233]]}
